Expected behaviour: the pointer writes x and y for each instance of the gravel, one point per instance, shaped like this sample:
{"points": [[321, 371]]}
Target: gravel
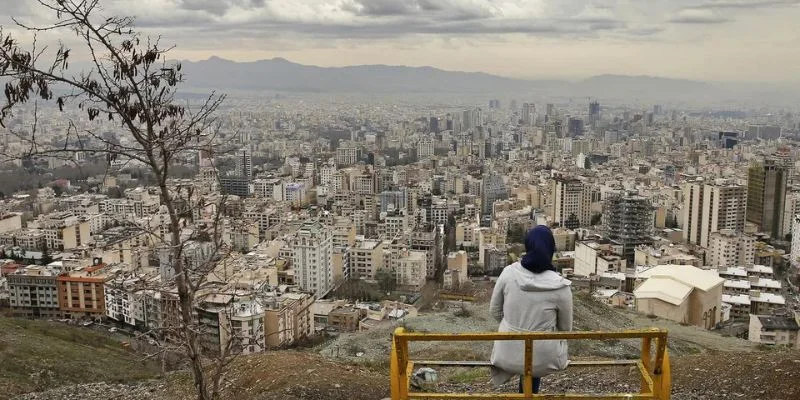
{"points": [[101, 391]]}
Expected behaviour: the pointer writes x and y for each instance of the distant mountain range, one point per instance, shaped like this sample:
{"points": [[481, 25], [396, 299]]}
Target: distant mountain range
{"points": [[279, 74]]}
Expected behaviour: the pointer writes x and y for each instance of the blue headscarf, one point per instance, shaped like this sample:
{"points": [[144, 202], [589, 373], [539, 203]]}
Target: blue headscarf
{"points": [[539, 248]]}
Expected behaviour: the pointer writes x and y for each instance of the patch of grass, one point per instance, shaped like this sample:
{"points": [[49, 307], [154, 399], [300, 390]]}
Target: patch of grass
{"points": [[380, 365], [767, 347], [39, 355], [469, 376]]}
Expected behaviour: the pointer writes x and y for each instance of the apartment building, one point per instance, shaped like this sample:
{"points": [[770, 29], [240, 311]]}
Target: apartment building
{"points": [[366, 259], [754, 302], [710, 207], [33, 292], [313, 249], [345, 319], [727, 248], [25, 239], [456, 272], [10, 222], [213, 311], [81, 292], [571, 202], [628, 220], [133, 301], [596, 257], [744, 286], [663, 255], [766, 196], [411, 269], [241, 235], [288, 318], [122, 209], [347, 153], [195, 254], [775, 330], [63, 230], [124, 244]]}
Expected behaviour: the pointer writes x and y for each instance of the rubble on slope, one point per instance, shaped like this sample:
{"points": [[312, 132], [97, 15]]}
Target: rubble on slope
{"points": [[373, 347]]}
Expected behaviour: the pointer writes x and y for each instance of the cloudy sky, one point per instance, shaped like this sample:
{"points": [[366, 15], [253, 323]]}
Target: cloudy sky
{"points": [[715, 40]]}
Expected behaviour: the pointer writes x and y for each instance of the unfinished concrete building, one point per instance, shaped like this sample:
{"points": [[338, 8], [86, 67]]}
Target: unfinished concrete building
{"points": [[628, 220]]}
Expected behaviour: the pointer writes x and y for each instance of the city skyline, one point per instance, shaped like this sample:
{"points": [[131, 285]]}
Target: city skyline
{"points": [[710, 40]]}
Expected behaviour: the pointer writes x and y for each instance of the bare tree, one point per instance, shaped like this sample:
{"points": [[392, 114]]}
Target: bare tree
{"points": [[130, 83]]}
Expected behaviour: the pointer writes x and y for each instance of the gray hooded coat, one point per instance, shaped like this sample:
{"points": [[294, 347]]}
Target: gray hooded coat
{"points": [[523, 301]]}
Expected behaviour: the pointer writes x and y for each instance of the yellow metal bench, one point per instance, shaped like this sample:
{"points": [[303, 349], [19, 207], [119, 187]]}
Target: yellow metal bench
{"points": [[655, 374]]}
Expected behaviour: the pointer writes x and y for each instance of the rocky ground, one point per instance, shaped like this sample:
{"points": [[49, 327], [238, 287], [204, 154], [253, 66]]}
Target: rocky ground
{"points": [[771, 375], [38, 355], [758, 375], [355, 366], [374, 346], [281, 375]]}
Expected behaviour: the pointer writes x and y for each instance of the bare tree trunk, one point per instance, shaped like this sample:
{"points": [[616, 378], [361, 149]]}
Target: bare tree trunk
{"points": [[185, 296], [133, 84]]}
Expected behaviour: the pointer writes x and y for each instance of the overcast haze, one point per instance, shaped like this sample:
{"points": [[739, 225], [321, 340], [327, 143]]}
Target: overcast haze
{"points": [[749, 40]]}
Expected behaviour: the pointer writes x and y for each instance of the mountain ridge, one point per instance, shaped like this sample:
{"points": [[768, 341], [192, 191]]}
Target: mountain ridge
{"points": [[281, 74]]}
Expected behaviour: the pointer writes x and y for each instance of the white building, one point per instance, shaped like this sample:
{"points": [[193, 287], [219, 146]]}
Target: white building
{"points": [[795, 254], [313, 247], [425, 148], [594, 258], [295, 193], [727, 248], [265, 187], [130, 303], [754, 302], [10, 222], [791, 208], [411, 269], [247, 326], [347, 154], [709, 207], [775, 330], [326, 174], [571, 200]]}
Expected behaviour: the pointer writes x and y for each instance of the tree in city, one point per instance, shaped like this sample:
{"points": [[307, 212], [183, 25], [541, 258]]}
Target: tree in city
{"points": [[129, 83], [516, 233], [572, 222], [386, 280], [46, 257]]}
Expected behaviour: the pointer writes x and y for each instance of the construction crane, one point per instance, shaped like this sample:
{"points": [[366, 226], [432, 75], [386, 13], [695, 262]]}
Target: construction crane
{"points": [[656, 380]]}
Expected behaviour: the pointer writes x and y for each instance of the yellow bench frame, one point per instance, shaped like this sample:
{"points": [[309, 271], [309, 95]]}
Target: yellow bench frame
{"points": [[656, 381]]}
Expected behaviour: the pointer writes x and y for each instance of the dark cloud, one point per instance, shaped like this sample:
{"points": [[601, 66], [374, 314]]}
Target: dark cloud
{"points": [[388, 30], [388, 19], [219, 7], [382, 8], [430, 5], [441, 9], [216, 7]]}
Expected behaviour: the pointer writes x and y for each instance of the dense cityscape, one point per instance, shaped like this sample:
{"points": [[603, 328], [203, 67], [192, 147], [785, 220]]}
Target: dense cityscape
{"points": [[320, 222]]}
